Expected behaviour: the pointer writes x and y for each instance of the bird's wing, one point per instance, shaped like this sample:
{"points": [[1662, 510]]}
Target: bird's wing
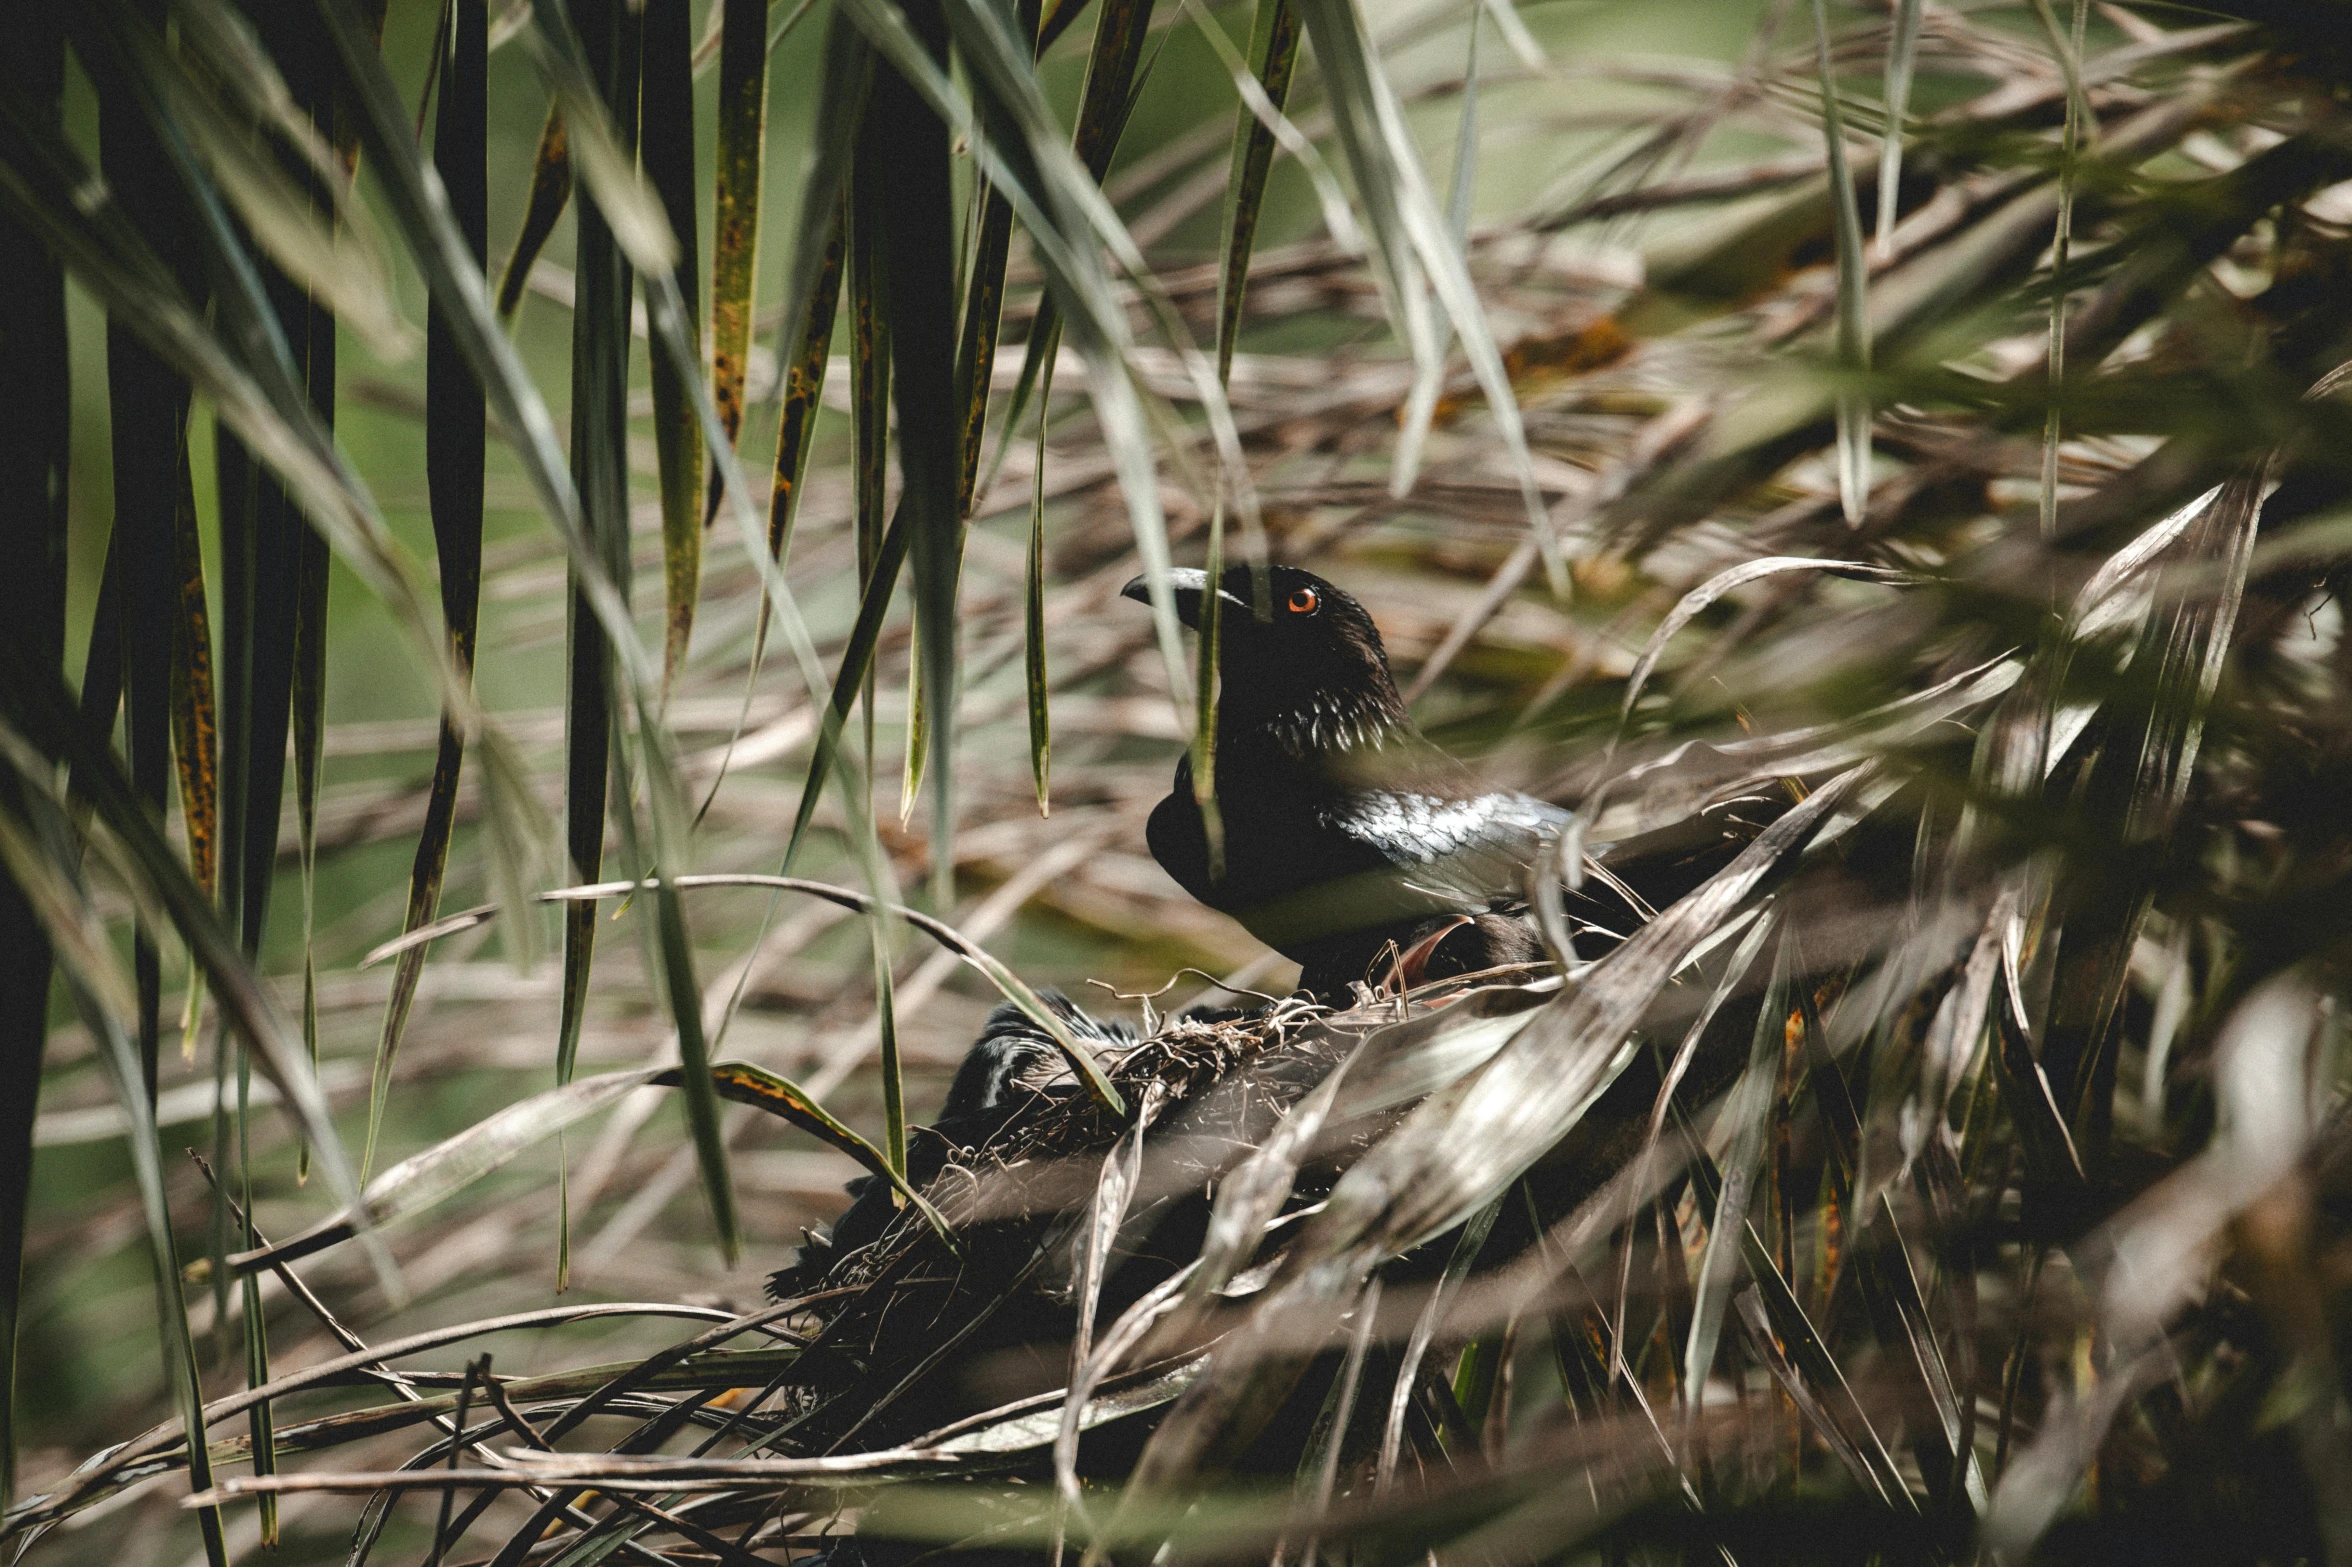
{"points": [[1468, 851]]}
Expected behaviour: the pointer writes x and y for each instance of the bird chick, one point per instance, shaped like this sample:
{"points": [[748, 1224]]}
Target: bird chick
{"points": [[1351, 843]]}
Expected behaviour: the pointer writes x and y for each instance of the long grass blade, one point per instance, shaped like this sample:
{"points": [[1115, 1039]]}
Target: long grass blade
{"points": [[1467, 1246], [843, 83], [1092, 1247], [600, 472], [1121, 28], [743, 1083], [1008, 984], [867, 219], [423, 212], [1902, 1283], [869, 413], [328, 184], [455, 458], [2137, 780], [1462, 191], [1694, 603], [1678, 1069], [991, 248], [1853, 278], [551, 192], [35, 456], [342, 262], [668, 949], [600, 124], [886, 1052], [449, 1166], [1023, 142], [259, 398], [1104, 104], [263, 545], [120, 1057], [195, 748], [261, 551], [39, 860], [1255, 76], [275, 556], [857, 662], [1901, 64], [672, 956], [735, 184], [673, 950], [309, 722], [421, 209], [40, 708], [1273, 57], [440, 1172], [905, 149], [1414, 254], [148, 413], [804, 386], [1747, 1114], [2079, 122], [195, 734], [1273, 62], [1033, 384], [666, 146], [260, 1422], [317, 157], [1035, 684], [1205, 691]]}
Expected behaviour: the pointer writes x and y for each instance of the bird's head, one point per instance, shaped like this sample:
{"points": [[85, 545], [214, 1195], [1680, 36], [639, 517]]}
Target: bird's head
{"points": [[1311, 670]]}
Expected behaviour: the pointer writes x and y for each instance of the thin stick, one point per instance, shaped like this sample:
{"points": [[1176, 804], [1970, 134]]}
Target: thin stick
{"points": [[465, 1397]]}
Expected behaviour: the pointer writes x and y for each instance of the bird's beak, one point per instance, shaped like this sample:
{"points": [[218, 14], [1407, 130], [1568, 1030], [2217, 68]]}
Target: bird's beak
{"points": [[1189, 583]]}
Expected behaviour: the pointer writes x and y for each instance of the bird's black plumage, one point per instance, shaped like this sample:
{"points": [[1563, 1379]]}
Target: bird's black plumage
{"points": [[1010, 1069], [1345, 830]]}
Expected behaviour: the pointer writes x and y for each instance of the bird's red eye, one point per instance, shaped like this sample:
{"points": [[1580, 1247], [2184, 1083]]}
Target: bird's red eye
{"points": [[1303, 602]]}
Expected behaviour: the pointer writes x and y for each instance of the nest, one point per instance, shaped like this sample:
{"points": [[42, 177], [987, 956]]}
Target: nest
{"points": [[911, 1332]]}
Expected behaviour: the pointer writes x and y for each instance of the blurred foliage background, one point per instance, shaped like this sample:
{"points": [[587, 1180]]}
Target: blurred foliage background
{"points": [[1709, 325]]}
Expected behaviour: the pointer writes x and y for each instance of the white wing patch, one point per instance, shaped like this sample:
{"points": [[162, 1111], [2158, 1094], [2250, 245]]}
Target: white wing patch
{"points": [[1421, 829]]}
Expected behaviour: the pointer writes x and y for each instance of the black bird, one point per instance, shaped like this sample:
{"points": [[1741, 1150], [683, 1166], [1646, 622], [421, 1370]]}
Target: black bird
{"points": [[1013, 1067], [1346, 831]]}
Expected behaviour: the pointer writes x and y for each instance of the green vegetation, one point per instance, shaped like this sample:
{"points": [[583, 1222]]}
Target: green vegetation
{"points": [[565, 647]]}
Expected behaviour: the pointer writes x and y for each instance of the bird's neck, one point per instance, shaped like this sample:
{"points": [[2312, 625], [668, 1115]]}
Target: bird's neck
{"points": [[1324, 725]]}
